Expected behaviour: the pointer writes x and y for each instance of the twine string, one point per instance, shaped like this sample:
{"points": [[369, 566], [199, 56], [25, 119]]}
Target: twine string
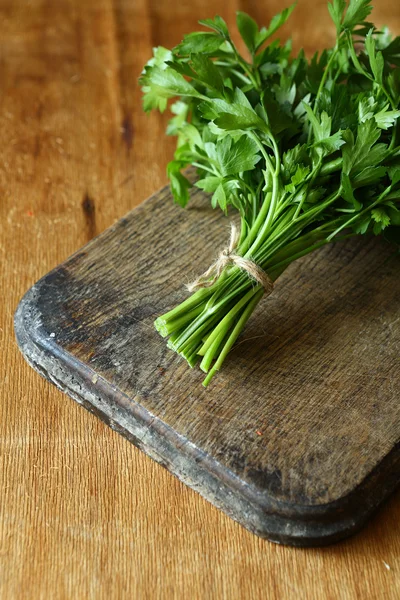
{"points": [[227, 257]]}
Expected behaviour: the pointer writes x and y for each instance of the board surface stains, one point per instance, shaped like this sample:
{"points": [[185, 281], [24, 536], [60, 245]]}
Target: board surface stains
{"points": [[89, 213], [127, 131]]}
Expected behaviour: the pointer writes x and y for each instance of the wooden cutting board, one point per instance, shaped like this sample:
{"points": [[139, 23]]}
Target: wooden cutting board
{"points": [[297, 438]]}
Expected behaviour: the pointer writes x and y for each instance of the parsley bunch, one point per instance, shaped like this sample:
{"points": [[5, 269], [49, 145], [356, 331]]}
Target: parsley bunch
{"points": [[306, 150]]}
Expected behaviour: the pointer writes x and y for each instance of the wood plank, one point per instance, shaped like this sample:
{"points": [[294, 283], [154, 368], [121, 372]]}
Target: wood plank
{"points": [[82, 511]]}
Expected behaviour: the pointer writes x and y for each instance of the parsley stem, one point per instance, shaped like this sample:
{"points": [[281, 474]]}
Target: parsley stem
{"points": [[331, 166], [245, 66], [267, 158], [268, 220], [257, 224], [325, 74], [360, 213], [233, 71], [211, 169], [257, 295]]}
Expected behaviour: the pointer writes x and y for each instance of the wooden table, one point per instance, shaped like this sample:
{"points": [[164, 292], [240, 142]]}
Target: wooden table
{"points": [[83, 514]]}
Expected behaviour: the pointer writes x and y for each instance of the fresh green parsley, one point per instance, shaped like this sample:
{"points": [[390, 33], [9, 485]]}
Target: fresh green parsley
{"points": [[306, 150]]}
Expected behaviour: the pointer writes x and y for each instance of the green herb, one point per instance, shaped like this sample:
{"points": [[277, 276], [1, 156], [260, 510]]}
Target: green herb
{"points": [[307, 151]]}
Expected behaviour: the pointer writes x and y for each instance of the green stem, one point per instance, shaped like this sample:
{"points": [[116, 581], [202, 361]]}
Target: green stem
{"points": [[267, 158], [235, 334], [245, 66], [325, 74], [360, 213], [289, 232], [211, 170], [234, 71], [268, 221], [255, 228], [211, 352], [223, 325], [331, 166]]}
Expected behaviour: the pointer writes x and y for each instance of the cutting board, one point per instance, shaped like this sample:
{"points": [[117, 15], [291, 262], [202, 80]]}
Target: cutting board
{"points": [[297, 438]]}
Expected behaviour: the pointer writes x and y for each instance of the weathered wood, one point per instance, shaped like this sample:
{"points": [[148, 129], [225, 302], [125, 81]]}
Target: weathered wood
{"points": [[296, 438]]}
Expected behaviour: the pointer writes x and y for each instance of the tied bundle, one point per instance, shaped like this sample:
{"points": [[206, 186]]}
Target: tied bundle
{"points": [[306, 150]]}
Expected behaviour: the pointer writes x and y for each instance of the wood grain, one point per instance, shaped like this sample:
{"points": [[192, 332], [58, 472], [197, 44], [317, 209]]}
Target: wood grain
{"points": [[83, 513]]}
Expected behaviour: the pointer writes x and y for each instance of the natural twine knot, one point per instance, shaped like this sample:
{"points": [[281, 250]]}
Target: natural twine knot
{"points": [[228, 257]]}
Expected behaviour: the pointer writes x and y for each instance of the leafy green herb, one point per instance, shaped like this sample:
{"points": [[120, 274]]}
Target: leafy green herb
{"points": [[307, 152]]}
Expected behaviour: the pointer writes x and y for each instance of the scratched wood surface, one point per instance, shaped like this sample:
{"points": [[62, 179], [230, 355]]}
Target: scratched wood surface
{"points": [[83, 513]]}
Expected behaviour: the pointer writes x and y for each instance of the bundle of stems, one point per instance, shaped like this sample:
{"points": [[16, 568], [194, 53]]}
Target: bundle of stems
{"points": [[306, 150]]}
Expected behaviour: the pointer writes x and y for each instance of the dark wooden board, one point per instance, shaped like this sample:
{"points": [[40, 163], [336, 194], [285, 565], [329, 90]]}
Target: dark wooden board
{"points": [[297, 438]]}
